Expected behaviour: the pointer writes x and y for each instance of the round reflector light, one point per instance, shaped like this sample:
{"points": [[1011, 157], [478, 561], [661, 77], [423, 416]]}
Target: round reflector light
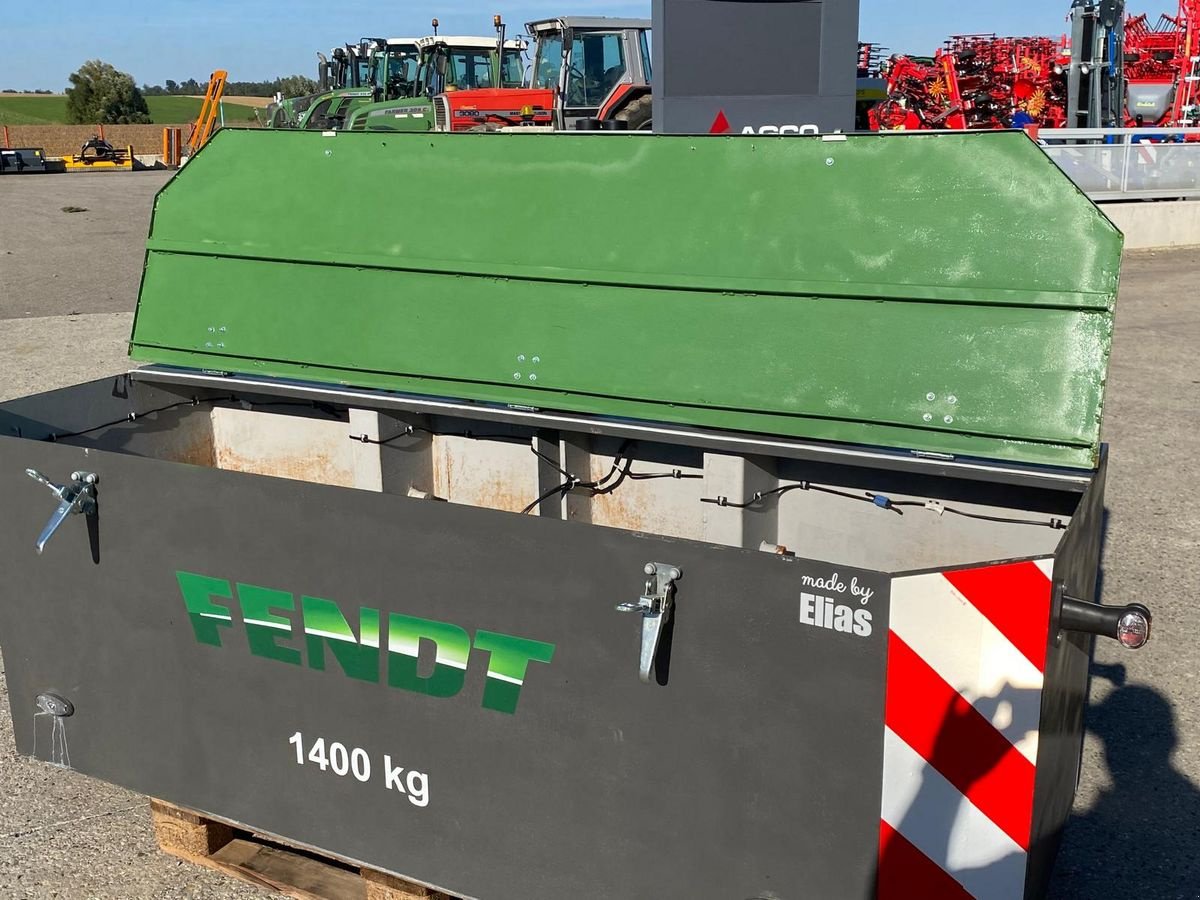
{"points": [[1133, 630]]}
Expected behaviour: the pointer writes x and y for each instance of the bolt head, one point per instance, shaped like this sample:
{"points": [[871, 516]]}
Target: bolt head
{"points": [[516, 376], [931, 396], [949, 420], [520, 357], [533, 378], [650, 569], [951, 399], [536, 360], [829, 161], [675, 574], [928, 417]]}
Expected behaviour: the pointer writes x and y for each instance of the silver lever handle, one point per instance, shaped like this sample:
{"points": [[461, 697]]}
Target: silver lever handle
{"points": [[655, 606], [77, 497]]}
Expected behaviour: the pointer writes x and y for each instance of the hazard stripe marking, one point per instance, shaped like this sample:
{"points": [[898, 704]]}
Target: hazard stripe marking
{"points": [[945, 826], [905, 872], [1016, 599], [962, 745], [971, 655]]}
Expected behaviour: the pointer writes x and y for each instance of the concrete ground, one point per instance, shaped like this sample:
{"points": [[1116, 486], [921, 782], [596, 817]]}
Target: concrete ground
{"points": [[68, 282]]}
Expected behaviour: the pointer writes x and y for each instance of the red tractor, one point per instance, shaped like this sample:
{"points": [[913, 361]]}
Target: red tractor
{"points": [[586, 69]]}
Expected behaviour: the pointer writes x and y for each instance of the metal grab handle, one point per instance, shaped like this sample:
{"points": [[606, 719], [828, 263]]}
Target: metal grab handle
{"points": [[77, 497], [655, 606]]}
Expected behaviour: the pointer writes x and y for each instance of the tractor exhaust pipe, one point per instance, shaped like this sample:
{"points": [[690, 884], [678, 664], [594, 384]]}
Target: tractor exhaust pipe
{"points": [[500, 28]]}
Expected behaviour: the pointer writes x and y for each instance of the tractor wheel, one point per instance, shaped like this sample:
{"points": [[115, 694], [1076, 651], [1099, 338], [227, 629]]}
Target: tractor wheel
{"points": [[637, 114]]}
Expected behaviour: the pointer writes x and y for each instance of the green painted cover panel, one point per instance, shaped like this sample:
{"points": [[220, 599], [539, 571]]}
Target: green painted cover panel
{"points": [[945, 293]]}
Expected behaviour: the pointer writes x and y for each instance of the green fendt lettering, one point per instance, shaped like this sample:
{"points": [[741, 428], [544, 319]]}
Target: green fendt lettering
{"points": [[269, 619]]}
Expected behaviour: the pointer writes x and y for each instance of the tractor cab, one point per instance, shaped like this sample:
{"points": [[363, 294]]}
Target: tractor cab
{"points": [[348, 66], [346, 75], [446, 65], [467, 63], [391, 74], [585, 69], [596, 65], [394, 72]]}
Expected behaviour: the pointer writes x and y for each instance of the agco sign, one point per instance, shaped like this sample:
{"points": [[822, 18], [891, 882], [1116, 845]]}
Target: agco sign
{"points": [[721, 125]]}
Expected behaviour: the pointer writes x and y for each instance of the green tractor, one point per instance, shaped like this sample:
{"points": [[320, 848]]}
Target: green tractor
{"points": [[446, 64], [377, 70]]}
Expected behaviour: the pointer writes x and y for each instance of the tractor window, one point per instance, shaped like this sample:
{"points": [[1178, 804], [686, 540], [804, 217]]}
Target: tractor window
{"points": [[402, 66], [597, 65], [549, 59], [470, 69], [402, 74], [513, 75], [644, 42]]}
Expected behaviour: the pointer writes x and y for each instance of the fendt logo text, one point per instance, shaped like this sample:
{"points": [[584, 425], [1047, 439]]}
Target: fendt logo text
{"points": [[211, 603]]}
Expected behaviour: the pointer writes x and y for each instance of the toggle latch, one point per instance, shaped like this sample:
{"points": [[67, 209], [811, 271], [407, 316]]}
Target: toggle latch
{"points": [[77, 497], [655, 606]]}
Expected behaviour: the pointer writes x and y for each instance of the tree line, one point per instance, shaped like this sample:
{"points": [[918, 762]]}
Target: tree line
{"points": [[101, 94], [289, 86]]}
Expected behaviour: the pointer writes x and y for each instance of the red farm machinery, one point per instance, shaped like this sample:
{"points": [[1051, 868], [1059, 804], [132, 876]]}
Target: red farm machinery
{"points": [[977, 81], [990, 82], [1162, 68]]}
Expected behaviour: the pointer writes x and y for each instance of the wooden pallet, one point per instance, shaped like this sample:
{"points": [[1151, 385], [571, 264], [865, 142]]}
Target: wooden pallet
{"points": [[268, 863]]}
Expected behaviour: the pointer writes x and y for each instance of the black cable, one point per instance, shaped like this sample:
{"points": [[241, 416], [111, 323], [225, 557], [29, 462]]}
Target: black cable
{"points": [[1055, 523], [562, 490], [195, 401], [759, 496], [596, 488], [649, 476], [133, 417], [410, 430], [882, 502]]}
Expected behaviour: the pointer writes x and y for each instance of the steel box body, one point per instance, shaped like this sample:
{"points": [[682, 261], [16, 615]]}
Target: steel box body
{"points": [[760, 762]]}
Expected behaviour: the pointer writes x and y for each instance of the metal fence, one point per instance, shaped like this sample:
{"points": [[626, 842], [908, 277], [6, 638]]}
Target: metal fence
{"points": [[1128, 163]]}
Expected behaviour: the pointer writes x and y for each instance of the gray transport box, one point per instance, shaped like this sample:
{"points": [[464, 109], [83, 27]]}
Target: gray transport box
{"points": [[264, 612]]}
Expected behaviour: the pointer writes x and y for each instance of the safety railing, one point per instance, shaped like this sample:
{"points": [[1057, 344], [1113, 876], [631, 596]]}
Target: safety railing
{"points": [[1128, 163]]}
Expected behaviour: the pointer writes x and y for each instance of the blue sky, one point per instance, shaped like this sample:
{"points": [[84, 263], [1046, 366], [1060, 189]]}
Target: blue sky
{"points": [[259, 39]]}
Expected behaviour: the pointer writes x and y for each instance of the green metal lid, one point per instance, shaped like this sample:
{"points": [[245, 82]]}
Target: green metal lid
{"points": [[944, 293]]}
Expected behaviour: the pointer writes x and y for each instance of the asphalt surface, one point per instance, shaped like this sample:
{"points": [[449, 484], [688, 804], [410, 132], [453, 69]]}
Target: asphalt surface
{"points": [[68, 283]]}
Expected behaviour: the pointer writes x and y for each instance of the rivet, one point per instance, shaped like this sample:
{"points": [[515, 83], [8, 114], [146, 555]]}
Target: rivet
{"points": [[928, 417], [329, 153], [516, 376], [931, 396], [220, 343], [208, 344], [520, 357], [536, 360], [949, 420], [951, 399], [211, 330], [223, 329], [533, 377], [829, 161]]}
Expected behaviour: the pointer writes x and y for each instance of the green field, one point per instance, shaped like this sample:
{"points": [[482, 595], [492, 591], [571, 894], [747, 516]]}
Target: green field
{"points": [[34, 109]]}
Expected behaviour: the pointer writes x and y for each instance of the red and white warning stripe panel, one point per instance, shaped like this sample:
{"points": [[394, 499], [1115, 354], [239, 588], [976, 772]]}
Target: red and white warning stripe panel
{"points": [[966, 655]]}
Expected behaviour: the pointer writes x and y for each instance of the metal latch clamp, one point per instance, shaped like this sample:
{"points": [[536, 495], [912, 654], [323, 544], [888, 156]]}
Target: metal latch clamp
{"points": [[77, 497], [655, 605]]}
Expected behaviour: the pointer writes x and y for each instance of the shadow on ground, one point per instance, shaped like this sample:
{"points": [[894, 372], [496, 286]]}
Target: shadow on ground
{"points": [[1141, 836]]}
